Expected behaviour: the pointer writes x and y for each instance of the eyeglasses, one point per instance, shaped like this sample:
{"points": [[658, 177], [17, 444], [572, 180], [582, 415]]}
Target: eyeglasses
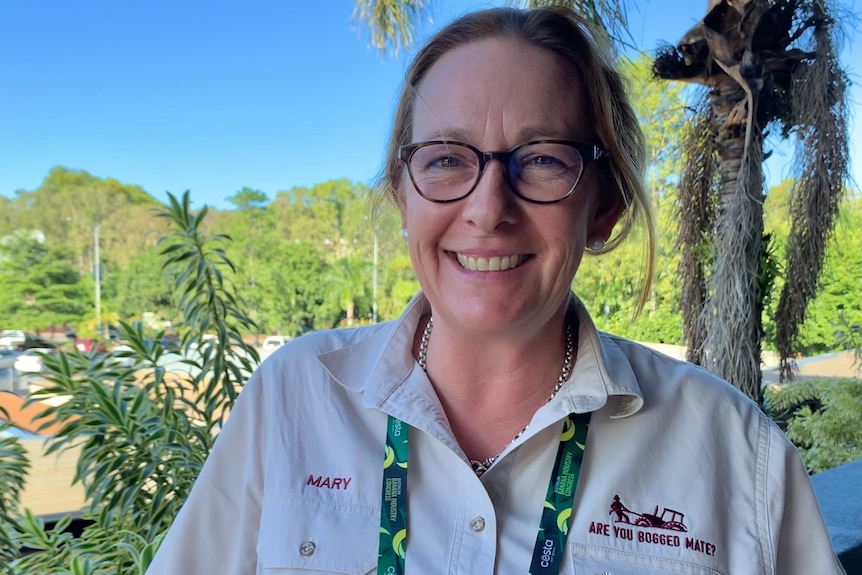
{"points": [[540, 172]]}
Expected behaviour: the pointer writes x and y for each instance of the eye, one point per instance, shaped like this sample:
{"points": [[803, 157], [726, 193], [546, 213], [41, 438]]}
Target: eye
{"points": [[546, 159], [542, 161], [446, 162], [440, 158]]}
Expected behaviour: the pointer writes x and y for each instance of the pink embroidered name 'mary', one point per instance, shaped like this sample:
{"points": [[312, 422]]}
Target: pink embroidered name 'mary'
{"points": [[329, 482]]}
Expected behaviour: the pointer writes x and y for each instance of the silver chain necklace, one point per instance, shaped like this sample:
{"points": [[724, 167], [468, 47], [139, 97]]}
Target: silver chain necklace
{"points": [[480, 467]]}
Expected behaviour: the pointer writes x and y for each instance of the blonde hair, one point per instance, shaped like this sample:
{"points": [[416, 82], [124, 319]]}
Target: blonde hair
{"points": [[562, 32]]}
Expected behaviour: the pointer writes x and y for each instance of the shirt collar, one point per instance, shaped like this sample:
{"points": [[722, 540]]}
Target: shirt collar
{"points": [[380, 363], [602, 373], [383, 362]]}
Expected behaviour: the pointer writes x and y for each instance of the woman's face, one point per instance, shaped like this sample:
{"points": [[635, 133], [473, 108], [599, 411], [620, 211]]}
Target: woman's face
{"points": [[495, 94]]}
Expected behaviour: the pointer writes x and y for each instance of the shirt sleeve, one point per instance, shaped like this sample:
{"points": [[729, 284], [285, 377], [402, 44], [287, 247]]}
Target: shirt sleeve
{"points": [[216, 530], [801, 542]]}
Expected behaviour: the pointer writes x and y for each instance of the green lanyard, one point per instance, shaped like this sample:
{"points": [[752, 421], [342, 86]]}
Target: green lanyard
{"points": [[393, 512], [556, 512]]}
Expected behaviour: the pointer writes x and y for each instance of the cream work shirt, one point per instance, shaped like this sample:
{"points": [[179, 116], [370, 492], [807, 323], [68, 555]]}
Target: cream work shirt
{"points": [[682, 473]]}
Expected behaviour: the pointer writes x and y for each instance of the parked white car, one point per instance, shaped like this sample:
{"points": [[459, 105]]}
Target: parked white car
{"points": [[205, 339], [119, 352], [12, 338], [30, 361], [272, 343]]}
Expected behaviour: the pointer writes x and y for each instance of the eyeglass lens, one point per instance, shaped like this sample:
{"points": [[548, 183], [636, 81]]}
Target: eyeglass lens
{"points": [[543, 172]]}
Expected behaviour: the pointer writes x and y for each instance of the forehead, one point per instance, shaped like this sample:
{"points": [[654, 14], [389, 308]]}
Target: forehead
{"points": [[501, 89]]}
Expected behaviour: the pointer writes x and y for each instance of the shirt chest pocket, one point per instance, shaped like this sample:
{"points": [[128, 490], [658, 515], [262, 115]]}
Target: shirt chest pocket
{"points": [[589, 560], [299, 535]]}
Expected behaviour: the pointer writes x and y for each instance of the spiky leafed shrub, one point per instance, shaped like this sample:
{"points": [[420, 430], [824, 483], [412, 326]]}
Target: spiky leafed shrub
{"points": [[13, 473], [143, 432], [822, 417]]}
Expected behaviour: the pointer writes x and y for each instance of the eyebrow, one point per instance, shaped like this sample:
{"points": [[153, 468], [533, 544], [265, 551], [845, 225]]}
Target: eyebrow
{"points": [[526, 134], [449, 134]]}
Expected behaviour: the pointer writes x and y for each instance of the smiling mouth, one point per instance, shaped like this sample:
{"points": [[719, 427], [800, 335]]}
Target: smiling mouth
{"points": [[493, 264]]}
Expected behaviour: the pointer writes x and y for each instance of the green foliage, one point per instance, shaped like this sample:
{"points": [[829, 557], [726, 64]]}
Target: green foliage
{"points": [[609, 284], [292, 296], [208, 302], [391, 22], [39, 287], [142, 287], [286, 247], [13, 473], [399, 283], [849, 335], [51, 548], [661, 111], [330, 215], [348, 282], [837, 307], [303, 255], [143, 432], [823, 418], [247, 199], [67, 206]]}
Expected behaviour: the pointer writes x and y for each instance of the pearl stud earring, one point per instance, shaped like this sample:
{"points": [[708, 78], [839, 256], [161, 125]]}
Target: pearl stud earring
{"points": [[596, 244]]}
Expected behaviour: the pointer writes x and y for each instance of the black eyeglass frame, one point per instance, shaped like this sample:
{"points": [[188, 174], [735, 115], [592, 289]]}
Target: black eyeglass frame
{"points": [[589, 153]]}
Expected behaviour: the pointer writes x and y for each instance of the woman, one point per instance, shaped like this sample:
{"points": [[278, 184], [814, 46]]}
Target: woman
{"points": [[536, 444]]}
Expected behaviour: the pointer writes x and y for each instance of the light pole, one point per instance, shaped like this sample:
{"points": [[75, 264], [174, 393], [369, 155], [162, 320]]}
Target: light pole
{"points": [[97, 276]]}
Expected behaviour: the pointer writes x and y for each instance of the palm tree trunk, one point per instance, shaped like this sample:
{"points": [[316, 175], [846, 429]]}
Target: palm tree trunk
{"points": [[351, 313], [731, 315]]}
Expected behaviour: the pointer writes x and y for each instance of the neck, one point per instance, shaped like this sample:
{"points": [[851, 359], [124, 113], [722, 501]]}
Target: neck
{"points": [[491, 387]]}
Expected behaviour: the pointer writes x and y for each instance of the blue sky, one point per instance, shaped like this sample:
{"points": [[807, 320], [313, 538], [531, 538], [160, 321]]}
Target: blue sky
{"points": [[211, 96]]}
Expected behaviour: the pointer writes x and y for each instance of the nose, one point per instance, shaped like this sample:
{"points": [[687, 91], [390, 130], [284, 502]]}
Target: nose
{"points": [[493, 203]]}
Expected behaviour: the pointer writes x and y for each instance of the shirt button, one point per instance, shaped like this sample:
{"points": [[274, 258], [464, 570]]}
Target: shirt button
{"points": [[307, 548], [478, 524]]}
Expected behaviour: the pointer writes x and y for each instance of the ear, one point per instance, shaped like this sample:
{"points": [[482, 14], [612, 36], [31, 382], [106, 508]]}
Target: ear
{"points": [[608, 210]]}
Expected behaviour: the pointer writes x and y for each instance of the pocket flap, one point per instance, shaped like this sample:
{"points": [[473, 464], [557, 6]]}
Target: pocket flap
{"points": [[590, 560], [300, 533]]}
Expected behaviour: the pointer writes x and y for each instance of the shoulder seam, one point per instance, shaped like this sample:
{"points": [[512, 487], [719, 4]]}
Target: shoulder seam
{"points": [[761, 496]]}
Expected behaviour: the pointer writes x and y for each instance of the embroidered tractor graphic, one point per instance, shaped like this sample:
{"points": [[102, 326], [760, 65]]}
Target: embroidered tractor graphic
{"points": [[668, 519]]}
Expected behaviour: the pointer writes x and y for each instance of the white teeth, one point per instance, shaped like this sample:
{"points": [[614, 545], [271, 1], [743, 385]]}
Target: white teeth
{"points": [[493, 264]]}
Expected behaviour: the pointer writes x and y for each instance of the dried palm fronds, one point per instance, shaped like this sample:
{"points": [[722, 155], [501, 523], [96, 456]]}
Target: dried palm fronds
{"points": [[696, 220], [819, 113]]}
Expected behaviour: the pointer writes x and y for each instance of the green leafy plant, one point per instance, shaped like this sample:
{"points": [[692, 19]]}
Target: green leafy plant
{"points": [[143, 419], [822, 417], [13, 474], [849, 335]]}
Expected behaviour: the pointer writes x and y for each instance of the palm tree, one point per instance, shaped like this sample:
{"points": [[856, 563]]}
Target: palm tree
{"points": [[392, 23], [766, 65], [348, 281]]}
